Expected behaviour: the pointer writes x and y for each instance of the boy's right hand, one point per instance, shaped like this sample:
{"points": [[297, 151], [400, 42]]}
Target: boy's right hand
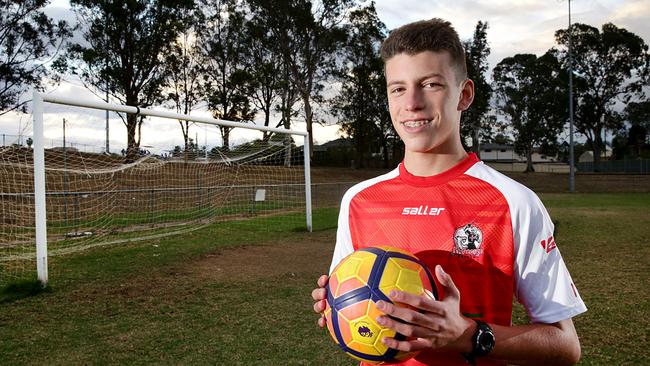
{"points": [[320, 295]]}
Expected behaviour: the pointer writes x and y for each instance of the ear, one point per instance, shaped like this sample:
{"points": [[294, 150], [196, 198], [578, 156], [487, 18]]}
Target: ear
{"points": [[466, 95]]}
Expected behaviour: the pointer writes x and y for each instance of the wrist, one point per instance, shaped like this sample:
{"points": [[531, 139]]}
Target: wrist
{"points": [[464, 344], [483, 342]]}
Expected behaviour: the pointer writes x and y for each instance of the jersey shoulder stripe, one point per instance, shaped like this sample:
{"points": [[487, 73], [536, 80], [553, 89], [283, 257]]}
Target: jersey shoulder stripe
{"points": [[521, 200]]}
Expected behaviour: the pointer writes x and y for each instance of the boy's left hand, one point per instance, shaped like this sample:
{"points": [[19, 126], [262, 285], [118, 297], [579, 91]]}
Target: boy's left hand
{"points": [[437, 324]]}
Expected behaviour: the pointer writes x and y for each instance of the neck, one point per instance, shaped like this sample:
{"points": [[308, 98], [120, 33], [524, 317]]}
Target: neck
{"points": [[425, 164]]}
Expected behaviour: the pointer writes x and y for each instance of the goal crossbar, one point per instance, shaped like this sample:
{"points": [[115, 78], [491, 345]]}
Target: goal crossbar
{"points": [[38, 101]]}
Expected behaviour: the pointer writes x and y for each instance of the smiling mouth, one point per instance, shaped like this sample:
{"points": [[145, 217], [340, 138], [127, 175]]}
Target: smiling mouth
{"points": [[418, 123]]}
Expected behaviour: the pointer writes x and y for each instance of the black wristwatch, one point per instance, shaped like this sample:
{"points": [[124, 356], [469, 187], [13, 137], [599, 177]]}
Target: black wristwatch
{"points": [[482, 342]]}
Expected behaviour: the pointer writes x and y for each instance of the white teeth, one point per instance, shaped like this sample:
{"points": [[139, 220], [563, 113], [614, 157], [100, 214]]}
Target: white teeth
{"points": [[416, 123]]}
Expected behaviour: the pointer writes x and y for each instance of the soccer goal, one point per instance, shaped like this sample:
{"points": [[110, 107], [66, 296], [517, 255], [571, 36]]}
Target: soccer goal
{"points": [[62, 198]]}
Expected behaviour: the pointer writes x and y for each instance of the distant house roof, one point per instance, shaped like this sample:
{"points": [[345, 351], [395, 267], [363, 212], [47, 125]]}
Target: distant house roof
{"points": [[338, 143], [496, 147]]}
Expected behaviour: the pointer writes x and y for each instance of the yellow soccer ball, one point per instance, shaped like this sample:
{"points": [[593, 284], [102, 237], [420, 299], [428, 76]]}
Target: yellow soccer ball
{"points": [[356, 284]]}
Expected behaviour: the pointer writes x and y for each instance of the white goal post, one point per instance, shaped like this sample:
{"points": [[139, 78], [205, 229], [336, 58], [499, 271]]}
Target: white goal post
{"points": [[40, 99]]}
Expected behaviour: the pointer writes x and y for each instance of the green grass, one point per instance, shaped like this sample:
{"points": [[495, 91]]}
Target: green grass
{"points": [[124, 219], [604, 241], [174, 300]]}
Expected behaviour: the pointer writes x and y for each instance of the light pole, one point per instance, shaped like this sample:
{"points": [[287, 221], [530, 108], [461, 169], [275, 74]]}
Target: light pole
{"points": [[572, 173]]}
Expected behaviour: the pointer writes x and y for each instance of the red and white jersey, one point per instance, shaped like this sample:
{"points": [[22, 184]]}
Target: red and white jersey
{"points": [[491, 234]]}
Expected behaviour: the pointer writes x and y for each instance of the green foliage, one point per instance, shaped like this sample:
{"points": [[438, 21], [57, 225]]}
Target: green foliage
{"points": [[224, 48], [28, 38], [308, 38], [124, 49], [270, 82], [475, 123], [638, 114], [527, 87], [362, 104], [610, 65], [185, 72]]}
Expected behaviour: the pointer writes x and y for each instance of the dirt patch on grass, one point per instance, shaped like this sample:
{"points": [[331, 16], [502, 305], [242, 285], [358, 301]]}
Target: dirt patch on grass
{"points": [[309, 252]]}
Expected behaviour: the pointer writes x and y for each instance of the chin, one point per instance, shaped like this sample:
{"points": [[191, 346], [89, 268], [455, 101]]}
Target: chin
{"points": [[419, 148]]}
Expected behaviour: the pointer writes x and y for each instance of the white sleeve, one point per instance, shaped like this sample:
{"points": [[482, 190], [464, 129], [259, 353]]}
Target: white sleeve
{"points": [[344, 245], [542, 282]]}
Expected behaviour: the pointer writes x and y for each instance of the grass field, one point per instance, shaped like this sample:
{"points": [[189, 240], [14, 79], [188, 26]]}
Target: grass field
{"points": [[212, 298]]}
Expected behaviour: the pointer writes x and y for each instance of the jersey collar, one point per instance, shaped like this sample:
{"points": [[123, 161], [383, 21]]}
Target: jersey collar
{"points": [[441, 178]]}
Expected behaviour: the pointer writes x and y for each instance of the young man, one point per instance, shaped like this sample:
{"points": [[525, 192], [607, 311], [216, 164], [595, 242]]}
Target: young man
{"points": [[492, 236]]}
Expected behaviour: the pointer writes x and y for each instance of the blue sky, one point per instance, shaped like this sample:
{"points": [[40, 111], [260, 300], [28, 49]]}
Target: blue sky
{"points": [[523, 26]]}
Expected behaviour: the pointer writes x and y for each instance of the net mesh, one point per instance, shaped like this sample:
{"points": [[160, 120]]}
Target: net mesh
{"points": [[94, 199]]}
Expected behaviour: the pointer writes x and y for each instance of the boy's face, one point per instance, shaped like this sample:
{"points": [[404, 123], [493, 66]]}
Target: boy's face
{"points": [[425, 100]]}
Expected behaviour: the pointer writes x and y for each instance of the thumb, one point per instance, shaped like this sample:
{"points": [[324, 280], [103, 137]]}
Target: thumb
{"points": [[451, 291]]}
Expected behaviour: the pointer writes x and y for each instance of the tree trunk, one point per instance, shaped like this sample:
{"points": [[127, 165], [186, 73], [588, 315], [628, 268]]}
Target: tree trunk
{"points": [[475, 141], [286, 120], [186, 133], [225, 136], [267, 117], [287, 151], [132, 144], [529, 161], [384, 149], [596, 146]]}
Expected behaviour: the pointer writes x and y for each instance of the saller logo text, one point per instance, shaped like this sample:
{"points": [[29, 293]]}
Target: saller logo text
{"points": [[422, 211]]}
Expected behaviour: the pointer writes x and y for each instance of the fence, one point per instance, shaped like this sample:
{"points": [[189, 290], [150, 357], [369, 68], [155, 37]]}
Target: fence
{"points": [[27, 140], [633, 166]]}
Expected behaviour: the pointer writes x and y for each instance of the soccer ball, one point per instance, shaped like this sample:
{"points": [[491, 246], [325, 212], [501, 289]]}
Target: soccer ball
{"points": [[356, 284]]}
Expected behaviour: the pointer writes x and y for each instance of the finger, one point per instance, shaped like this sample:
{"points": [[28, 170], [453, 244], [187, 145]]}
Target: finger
{"points": [[319, 306], [409, 330], [451, 291], [421, 302], [322, 280], [319, 294], [407, 315], [417, 344], [322, 322]]}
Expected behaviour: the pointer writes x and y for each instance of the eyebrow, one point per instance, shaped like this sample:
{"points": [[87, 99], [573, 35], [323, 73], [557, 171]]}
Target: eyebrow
{"points": [[432, 75]]}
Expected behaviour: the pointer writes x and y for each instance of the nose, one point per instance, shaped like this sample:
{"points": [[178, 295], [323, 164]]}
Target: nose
{"points": [[413, 99]]}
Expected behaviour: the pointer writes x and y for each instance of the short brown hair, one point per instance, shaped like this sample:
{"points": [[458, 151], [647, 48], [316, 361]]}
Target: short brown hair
{"points": [[433, 35]]}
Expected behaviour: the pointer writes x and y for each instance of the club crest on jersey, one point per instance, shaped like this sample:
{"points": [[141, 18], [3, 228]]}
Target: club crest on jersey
{"points": [[468, 240]]}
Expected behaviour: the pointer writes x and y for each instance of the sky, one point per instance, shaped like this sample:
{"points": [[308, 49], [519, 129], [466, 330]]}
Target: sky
{"points": [[515, 26]]}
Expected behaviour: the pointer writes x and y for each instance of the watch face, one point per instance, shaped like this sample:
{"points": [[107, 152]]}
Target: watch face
{"points": [[486, 341]]}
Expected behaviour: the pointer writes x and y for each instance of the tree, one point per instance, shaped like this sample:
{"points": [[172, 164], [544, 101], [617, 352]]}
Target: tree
{"points": [[307, 34], [28, 40], [610, 65], [362, 104], [185, 81], [526, 89], [474, 121], [265, 65], [224, 49], [638, 113], [124, 49]]}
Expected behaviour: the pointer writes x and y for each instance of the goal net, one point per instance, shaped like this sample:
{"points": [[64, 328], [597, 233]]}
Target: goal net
{"points": [[91, 199]]}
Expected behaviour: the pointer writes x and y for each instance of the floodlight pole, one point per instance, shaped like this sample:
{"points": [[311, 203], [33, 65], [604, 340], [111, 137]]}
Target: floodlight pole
{"points": [[307, 169], [107, 147], [572, 173]]}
